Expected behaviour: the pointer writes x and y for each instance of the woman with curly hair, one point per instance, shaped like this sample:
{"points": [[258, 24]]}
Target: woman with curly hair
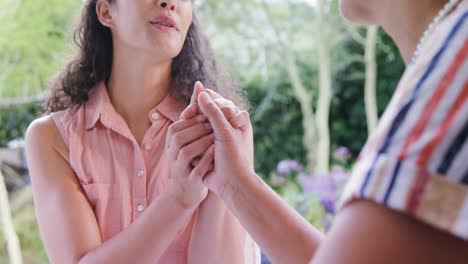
{"points": [[114, 179]]}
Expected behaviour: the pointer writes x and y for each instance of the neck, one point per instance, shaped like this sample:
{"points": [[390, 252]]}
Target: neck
{"points": [[136, 86], [406, 21]]}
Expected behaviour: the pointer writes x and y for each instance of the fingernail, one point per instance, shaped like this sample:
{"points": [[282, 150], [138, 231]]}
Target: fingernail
{"points": [[207, 95]]}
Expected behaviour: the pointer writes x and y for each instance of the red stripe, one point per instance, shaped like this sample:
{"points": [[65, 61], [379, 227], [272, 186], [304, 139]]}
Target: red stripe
{"points": [[427, 151], [434, 101], [420, 183]]}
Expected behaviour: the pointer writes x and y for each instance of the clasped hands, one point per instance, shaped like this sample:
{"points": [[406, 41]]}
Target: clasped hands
{"points": [[209, 148]]}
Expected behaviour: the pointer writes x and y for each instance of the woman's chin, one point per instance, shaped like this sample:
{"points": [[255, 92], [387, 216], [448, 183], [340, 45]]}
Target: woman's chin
{"points": [[356, 12], [167, 50]]}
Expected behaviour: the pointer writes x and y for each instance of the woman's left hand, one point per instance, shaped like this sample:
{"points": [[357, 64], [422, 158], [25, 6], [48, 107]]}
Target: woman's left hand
{"points": [[233, 143], [238, 119]]}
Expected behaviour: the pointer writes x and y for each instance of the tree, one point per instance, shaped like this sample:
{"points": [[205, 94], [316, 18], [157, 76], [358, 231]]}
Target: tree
{"points": [[14, 249], [33, 44], [290, 33]]}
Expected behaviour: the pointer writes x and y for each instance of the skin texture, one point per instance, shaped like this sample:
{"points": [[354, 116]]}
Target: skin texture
{"points": [[74, 229], [404, 21], [364, 232], [138, 82]]}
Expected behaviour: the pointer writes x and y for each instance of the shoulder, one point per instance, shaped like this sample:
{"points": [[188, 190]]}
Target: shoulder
{"points": [[382, 235], [43, 135], [446, 45], [42, 129]]}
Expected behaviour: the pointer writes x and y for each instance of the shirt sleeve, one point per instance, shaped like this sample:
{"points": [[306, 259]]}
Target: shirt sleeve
{"points": [[416, 162]]}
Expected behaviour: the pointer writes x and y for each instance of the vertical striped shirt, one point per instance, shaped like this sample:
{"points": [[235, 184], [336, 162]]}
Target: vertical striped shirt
{"points": [[416, 162]]}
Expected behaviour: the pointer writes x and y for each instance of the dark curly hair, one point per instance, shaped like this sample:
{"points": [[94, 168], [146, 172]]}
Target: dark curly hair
{"points": [[92, 64]]}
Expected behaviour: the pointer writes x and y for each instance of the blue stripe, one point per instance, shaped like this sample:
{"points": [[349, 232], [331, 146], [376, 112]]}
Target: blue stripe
{"points": [[402, 114], [465, 178], [392, 183], [454, 149]]}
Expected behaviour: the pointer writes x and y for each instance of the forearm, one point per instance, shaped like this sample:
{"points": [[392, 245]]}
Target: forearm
{"points": [[217, 236], [147, 238], [284, 235]]}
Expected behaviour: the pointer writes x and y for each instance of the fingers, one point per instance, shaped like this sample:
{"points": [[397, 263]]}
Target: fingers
{"points": [[214, 114], [192, 109], [195, 162], [228, 107], [230, 110], [196, 91], [187, 136], [205, 164], [240, 119], [184, 124], [194, 149], [174, 143], [213, 94], [189, 112]]}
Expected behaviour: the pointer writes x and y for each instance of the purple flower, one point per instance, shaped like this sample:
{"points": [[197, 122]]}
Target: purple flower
{"points": [[339, 174], [286, 167], [323, 186], [318, 183], [341, 154], [328, 201]]}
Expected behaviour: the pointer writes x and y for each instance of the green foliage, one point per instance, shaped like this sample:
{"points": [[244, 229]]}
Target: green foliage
{"points": [[33, 43], [27, 231], [307, 204], [14, 121], [347, 115], [277, 122], [277, 118]]}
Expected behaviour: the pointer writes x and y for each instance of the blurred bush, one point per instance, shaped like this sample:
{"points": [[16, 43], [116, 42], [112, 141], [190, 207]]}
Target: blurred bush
{"points": [[277, 118], [33, 44], [15, 119]]}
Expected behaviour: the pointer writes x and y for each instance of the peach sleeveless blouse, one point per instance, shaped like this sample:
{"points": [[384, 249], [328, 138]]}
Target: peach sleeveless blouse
{"points": [[120, 178]]}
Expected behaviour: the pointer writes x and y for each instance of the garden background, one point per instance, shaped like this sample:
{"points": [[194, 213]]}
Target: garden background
{"points": [[316, 85]]}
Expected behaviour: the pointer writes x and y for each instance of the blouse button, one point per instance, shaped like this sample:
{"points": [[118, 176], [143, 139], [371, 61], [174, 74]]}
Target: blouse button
{"points": [[141, 173], [147, 146], [141, 208], [154, 116]]}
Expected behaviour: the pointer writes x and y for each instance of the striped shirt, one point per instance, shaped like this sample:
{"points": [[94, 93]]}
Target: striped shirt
{"points": [[416, 162]]}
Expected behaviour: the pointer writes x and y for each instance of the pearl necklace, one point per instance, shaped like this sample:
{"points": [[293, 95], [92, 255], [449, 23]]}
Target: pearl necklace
{"points": [[449, 6]]}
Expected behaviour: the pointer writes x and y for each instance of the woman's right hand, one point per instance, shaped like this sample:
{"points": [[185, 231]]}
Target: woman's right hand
{"points": [[187, 140], [233, 153]]}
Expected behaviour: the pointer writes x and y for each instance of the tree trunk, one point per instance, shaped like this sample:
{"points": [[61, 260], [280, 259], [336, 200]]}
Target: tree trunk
{"points": [[304, 97], [371, 79], [14, 249], [325, 92]]}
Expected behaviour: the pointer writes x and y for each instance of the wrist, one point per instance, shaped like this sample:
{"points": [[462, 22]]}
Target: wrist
{"points": [[175, 196], [241, 183]]}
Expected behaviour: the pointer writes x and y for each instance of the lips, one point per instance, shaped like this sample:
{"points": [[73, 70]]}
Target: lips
{"points": [[165, 23]]}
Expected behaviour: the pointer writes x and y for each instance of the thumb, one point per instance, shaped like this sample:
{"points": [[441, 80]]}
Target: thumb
{"points": [[240, 120], [210, 181], [196, 92], [214, 114], [192, 110]]}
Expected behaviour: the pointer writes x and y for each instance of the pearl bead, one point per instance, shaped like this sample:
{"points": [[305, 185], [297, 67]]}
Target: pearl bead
{"points": [[440, 16]]}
